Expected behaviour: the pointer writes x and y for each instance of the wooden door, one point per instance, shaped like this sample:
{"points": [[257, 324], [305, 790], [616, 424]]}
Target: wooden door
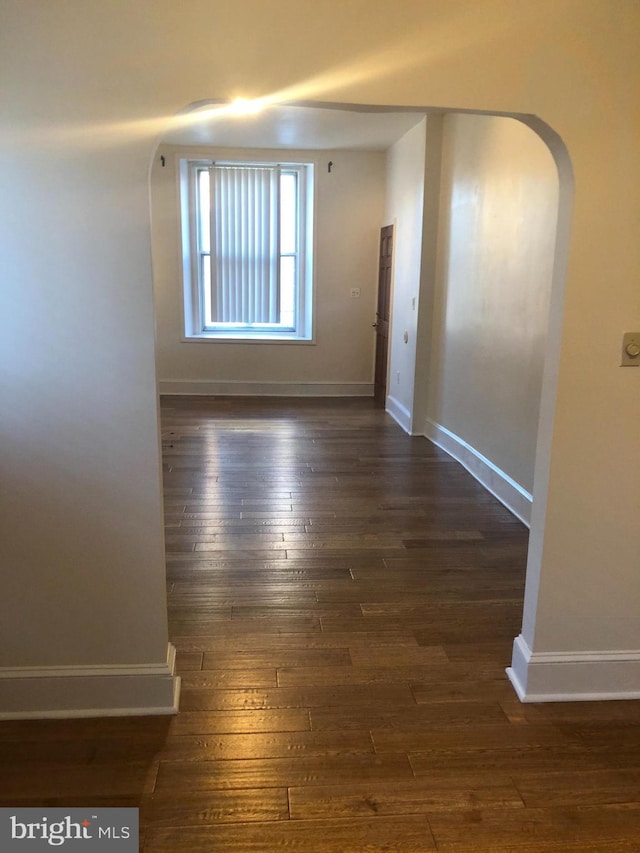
{"points": [[382, 314]]}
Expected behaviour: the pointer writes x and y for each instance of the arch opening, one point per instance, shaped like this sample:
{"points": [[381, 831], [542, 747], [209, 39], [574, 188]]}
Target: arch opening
{"points": [[418, 370]]}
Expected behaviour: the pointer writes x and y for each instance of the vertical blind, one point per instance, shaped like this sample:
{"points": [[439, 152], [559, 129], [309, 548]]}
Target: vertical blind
{"points": [[245, 244]]}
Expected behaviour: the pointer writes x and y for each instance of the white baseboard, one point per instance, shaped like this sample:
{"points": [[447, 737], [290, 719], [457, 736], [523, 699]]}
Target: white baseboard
{"points": [[400, 414], [100, 691], [264, 389], [573, 676], [507, 491]]}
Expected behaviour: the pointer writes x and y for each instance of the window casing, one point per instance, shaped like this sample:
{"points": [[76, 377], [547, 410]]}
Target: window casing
{"points": [[247, 250]]}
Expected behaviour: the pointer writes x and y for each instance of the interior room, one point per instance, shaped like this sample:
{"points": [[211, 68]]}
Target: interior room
{"points": [[485, 477]]}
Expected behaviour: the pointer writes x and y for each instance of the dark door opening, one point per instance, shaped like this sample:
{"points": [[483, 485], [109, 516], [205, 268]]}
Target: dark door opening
{"points": [[382, 314]]}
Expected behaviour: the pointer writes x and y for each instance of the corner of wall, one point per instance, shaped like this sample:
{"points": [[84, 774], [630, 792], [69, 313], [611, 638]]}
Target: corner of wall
{"points": [[400, 413], [101, 691], [573, 676]]}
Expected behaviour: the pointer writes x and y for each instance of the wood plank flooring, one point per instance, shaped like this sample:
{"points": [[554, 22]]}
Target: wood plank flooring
{"points": [[343, 599]]}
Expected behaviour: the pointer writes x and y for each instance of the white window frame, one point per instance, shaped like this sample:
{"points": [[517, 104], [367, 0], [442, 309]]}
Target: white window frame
{"points": [[195, 326]]}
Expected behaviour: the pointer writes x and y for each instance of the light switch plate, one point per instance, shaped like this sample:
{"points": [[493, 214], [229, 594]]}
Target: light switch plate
{"points": [[630, 350], [355, 293]]}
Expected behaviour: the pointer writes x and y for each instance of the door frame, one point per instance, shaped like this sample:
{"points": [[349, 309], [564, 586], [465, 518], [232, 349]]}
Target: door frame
{"points": [[392, 226]]}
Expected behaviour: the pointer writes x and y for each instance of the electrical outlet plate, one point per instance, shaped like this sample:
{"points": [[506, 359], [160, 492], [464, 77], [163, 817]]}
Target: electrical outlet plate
{"points": [[630, 350], [355, 293]]}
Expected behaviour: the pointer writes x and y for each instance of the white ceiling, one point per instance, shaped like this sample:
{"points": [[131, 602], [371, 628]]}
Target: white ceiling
{"points": [[294, 127]]}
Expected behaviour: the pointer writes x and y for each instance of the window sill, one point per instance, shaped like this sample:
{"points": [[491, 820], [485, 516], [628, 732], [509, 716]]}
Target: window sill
{"points": [[234, 338]]}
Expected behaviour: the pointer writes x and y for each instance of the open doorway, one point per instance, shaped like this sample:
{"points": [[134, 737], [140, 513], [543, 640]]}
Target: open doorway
{"points": [[362, 188]]}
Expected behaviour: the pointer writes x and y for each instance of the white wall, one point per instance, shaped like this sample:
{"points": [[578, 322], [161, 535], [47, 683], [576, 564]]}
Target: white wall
{"points": [[83, 608], [498, 218], [404, 207], [86, 89], [348, 212]]}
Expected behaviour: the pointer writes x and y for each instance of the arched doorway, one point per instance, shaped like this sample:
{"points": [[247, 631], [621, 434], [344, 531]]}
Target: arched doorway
{"points": [[414, 300]]}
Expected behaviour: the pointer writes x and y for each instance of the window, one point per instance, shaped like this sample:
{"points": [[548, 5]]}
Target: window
{"points": [[247, 249]]}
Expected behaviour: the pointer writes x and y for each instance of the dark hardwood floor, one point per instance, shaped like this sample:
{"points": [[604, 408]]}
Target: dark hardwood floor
{"points": [[343, 599]]}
